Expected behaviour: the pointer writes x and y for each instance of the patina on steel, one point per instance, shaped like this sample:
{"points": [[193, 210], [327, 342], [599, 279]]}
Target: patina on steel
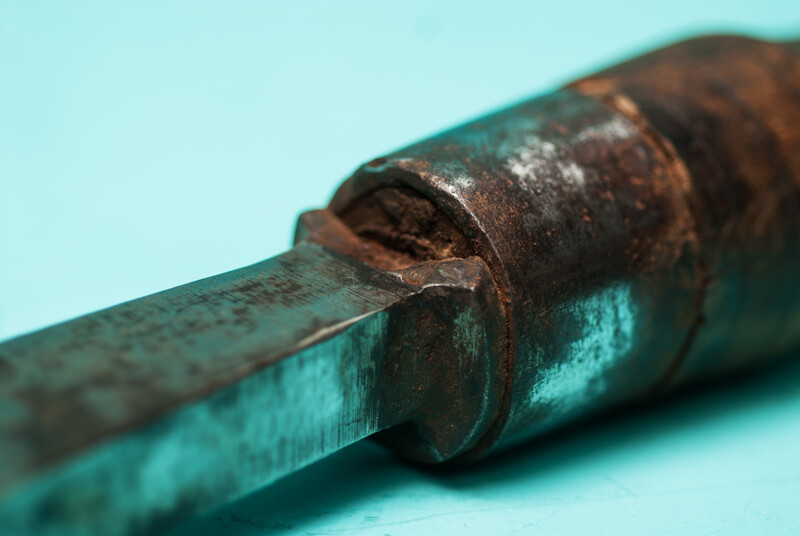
{"points": [[641, 224], [635, 230], [124, 420]]}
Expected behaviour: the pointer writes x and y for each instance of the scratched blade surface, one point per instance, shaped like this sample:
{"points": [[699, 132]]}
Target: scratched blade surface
{"points": [[123, 420]]}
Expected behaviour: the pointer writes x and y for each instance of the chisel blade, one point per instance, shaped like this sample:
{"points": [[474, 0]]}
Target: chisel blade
{"points": [[121, 421]]}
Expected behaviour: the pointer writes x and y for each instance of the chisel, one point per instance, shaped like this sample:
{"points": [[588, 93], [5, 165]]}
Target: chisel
{"points": [[591, 247]]}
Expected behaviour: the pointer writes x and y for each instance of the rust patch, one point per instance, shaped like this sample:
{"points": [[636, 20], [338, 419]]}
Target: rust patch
{"points": [[730, 105], [407, 222], [684, 228], [324, 228], [676, 183]]}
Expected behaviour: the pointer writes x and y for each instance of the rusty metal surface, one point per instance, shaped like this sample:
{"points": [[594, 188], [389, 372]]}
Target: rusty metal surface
{"points": [[600, 224], [729, 108], [583, 229], [444, 368], [231, 382], [589, 247]]}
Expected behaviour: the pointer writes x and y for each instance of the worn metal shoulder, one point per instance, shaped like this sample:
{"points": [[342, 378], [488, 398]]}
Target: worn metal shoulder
{"points": [[582, 221]]}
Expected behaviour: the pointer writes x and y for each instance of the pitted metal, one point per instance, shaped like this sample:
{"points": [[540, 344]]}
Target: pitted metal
{"points": [[640, 225], [586, 230]]}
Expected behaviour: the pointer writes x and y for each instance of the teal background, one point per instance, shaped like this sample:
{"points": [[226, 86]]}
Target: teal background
{"points": [[143, 145]]}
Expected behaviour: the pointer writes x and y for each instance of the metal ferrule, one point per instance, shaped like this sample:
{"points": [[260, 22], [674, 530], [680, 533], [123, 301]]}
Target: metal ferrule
{"points": [[641, 225]]}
